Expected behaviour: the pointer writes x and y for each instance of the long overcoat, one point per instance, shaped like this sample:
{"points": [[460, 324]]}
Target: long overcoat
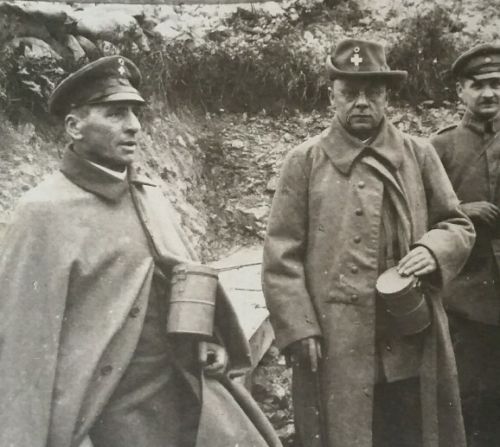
{"points": [[471, 157], [322, 251], [76, 268]]}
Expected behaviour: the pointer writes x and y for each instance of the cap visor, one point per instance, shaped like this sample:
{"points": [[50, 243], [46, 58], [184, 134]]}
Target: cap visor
{"points": [[483, 76], [120, 97], [393, 76]]}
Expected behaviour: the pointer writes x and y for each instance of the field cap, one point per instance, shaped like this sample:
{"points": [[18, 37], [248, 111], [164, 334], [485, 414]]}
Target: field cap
{"points": [[108, 79], [480, 62]]}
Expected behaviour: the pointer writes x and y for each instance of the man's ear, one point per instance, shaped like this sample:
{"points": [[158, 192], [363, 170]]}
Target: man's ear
{"points": [[460, 89], [331, 95], [73, 125]]}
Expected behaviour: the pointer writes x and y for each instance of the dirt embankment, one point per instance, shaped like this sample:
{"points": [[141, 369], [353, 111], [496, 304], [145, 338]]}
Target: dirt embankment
{"points": [[219, 169]]}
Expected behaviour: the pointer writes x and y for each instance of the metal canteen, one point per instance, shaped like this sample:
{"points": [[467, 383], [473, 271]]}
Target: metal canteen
{"points": [[192, 300], [405, 301]]}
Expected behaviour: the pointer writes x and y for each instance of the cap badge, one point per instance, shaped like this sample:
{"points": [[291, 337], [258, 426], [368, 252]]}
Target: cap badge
{"points": [[121, 68], [356, 59], [487, 59]]}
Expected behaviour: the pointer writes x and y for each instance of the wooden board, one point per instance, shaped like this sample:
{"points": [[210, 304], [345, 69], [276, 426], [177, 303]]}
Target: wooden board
{"points": [[239, 273]]}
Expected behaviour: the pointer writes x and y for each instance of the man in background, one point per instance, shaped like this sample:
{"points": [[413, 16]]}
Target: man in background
{"points": [[470, 152]]}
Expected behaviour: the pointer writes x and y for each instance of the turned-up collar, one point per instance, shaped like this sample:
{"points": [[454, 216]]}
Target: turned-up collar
{"points": [[92, 178], [478, 126], [343, 148]]}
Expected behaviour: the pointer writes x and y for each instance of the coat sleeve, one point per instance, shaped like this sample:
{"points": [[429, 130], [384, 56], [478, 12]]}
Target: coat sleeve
{"points": [[440, 144], [451, 234], [33, 284], [283, 276]]}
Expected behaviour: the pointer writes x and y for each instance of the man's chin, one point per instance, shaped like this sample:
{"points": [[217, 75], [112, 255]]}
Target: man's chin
{"points": [[362, 125]]}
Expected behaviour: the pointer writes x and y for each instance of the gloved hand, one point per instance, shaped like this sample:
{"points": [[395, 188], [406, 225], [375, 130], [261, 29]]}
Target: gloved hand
{"points": [[307, 350], [484, 212], [212, 357]]}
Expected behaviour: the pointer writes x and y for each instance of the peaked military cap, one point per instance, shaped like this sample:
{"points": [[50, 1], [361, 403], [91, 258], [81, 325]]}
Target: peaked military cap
{"points": [[481, 62], [108, 79], [361, 59]]}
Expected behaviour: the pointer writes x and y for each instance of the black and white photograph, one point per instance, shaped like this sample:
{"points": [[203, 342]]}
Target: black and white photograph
{"points": [[261, 224]]}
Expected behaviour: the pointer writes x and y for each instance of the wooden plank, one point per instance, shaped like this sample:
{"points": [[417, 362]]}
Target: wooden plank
{"points": [[240, 276]]}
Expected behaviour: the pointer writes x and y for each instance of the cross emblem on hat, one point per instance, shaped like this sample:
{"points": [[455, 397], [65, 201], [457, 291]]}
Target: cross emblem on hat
{"points": [[356, 59], [121, 68]]}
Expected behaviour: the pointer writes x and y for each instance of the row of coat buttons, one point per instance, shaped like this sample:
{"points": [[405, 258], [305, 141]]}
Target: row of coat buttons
{"points": [[357, 239]]}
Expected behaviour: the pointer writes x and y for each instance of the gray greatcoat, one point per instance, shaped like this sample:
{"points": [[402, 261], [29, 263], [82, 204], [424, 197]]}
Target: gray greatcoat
{"points": [[471, 158], [76, 271], [321, 259]]}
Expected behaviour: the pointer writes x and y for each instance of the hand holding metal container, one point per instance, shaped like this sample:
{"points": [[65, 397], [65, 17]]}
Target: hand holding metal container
{"points": [[405, 301]]}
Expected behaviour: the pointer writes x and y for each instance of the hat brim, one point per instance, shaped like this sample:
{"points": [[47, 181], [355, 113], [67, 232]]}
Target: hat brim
{"points": [[120, 97], [393, 77], [483, 76]]}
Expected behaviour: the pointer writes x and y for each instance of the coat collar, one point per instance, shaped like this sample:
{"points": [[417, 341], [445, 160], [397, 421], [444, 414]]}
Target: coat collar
{"points": [[343, 149], [92, 178], [478, 126]]}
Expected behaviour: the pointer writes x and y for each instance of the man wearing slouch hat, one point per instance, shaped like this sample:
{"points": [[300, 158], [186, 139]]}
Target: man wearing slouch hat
{"points": [[470, 152], [359, 210], [85, 269]]}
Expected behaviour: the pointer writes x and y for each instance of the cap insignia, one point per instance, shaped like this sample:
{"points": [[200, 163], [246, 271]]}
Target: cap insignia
{"points": [[487, 59], [356, 59], [121, 68]]}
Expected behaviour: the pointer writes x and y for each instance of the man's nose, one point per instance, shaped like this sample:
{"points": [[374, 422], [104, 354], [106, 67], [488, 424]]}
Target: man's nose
{"points": [[487, 92], [132, 123], [361, 99]]}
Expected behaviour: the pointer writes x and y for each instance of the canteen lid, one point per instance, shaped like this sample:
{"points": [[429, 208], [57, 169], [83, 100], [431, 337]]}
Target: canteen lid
{"points": [[194, 269], [392, 283]]}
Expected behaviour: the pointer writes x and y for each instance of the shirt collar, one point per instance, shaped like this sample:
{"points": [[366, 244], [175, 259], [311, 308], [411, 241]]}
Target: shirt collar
{"points": [[119, 175], [470, 120], [343, 149], [98, 179]]}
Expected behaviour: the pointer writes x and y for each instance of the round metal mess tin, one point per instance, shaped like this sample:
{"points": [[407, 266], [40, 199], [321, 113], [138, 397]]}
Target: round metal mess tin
{"points": [[405, 301], [192, 300]]}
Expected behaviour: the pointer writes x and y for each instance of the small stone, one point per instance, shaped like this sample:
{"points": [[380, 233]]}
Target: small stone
{"points": [[237, 144], [181, 141], [272, 184]]}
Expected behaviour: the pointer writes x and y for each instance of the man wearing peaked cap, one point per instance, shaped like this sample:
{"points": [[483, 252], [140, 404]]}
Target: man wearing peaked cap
{"points": [[108, 79], [85, 270], [358, 199], [470, 152]]}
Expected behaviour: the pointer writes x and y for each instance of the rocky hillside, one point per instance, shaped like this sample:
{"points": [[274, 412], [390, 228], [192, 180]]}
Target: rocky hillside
{"points": [[231, 89]]}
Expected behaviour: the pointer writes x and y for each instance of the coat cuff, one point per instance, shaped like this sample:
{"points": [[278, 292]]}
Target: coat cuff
{"points": [[286, 337]]}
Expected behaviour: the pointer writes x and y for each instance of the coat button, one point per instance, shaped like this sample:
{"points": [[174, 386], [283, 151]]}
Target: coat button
{"points": [[354, 298], [388, 347], [357, 239], [354, 269], [361, 184], [105, 370], [358, 212], [134, 312]]}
